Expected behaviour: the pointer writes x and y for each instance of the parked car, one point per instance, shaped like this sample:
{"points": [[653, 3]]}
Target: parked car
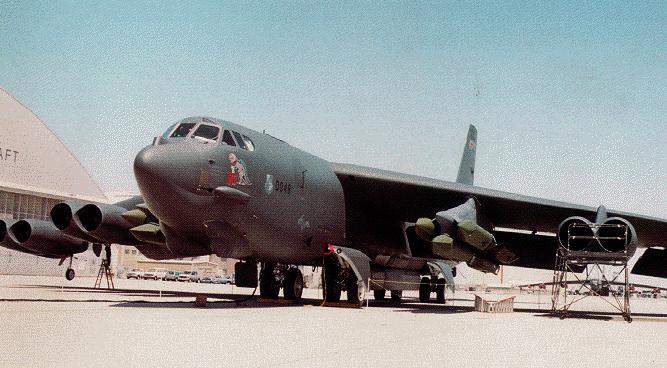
{"points": [[155, 273], [189, 276], [135, 273], [171, 276], [225, 280], [208, 279]]}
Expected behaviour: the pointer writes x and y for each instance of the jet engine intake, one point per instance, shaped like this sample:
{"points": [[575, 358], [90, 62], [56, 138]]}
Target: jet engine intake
{"points": [[575, 233], [613, 235], [103, 222], [44, 238], [617, 235], [6, 241], [62, 216]]}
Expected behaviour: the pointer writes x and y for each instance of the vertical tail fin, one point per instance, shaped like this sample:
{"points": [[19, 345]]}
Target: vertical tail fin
{"points": [[467, 168]]}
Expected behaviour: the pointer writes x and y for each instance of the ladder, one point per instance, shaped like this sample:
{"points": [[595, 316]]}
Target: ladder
{"points": [[104, 273]]}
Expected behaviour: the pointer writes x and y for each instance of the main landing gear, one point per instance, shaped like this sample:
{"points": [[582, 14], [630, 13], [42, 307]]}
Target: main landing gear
{"points": [[396, 296], [429, 285], [273, 277], [336, 279], [69, 273]]}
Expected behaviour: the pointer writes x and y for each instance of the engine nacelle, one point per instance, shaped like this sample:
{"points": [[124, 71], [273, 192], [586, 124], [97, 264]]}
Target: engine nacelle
{"points": [[6, 241], [43, 238], [614, 235], [96, 222], [62, 216], [617, 235], [575, 233]]}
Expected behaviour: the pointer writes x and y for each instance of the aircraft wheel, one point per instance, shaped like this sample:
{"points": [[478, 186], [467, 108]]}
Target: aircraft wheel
{"points": [[69, 274], [268, 286], [333, 294], [425, 290], [332, 289], [379, 294], [396, 295], [293, 286], [440, 291], [353, 290]]}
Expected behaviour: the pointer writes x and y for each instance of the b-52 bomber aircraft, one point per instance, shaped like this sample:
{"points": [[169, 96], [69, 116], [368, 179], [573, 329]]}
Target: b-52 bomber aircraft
{"points": [[209, 186]]}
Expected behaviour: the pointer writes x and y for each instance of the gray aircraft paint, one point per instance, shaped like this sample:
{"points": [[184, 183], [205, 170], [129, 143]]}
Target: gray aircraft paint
{"points": [[280, 204], [466, 173], [289, 218], [310, 202]]}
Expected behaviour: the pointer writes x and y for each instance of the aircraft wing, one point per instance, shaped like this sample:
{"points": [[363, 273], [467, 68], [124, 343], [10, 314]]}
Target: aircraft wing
{"points": [[398, 198]]}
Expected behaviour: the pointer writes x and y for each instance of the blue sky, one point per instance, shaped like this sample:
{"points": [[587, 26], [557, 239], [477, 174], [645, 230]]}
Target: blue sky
{"points": [[570, 98]]}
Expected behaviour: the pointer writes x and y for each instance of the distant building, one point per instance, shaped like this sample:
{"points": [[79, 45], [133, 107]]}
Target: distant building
{"points": [[37, 171], [128, 257]]}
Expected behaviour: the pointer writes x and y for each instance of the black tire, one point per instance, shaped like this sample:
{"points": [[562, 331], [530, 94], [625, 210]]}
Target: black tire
{"points": [[268, 286], [293, 284], [396, 295], [425, 290], [332, 290], [333, 294], [69, 274], [353, 291], [379, 295], [440, 291]]}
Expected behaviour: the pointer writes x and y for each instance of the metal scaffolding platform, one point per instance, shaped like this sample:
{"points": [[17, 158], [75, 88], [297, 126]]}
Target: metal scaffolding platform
{"points": [[570, 262]]}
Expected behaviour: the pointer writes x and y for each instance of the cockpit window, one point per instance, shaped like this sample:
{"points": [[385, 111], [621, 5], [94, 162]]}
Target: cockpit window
{"points": [[183, 130], [239, 139], [171, 128], [227, 138], [248, 143], [207, 131]]}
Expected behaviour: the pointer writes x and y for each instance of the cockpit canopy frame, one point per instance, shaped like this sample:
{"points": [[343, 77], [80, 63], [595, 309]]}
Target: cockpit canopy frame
{"points": [[208, 131]]}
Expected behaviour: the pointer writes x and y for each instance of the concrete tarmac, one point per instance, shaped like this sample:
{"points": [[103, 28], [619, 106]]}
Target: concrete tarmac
{"points": [[49, 322]]}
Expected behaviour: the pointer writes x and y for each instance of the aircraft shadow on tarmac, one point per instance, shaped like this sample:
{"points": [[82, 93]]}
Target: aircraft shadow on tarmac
{"points": [[226, 300]]}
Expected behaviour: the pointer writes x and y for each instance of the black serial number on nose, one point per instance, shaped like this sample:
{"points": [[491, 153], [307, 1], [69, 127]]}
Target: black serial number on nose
{"points": [[283, 187]]}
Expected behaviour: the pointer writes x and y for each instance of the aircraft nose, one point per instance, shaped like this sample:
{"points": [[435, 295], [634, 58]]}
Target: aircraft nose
{"points": [[146, 164], [167, 165]]}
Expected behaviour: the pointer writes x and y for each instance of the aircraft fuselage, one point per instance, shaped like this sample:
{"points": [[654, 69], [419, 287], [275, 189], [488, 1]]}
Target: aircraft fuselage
{"points": [[294, 206]]}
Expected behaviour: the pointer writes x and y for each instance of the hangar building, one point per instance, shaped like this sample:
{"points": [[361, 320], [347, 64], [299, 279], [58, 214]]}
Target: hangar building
{"points": [[37, 171]]}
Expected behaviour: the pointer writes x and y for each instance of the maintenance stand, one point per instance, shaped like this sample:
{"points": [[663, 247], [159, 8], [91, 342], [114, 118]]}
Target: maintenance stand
{"points": [[572, 262], [105, 270]]}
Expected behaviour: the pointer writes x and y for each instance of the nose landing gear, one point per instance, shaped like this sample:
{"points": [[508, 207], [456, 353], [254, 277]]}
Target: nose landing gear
{"points": [[337, 278], [273, 277]]}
